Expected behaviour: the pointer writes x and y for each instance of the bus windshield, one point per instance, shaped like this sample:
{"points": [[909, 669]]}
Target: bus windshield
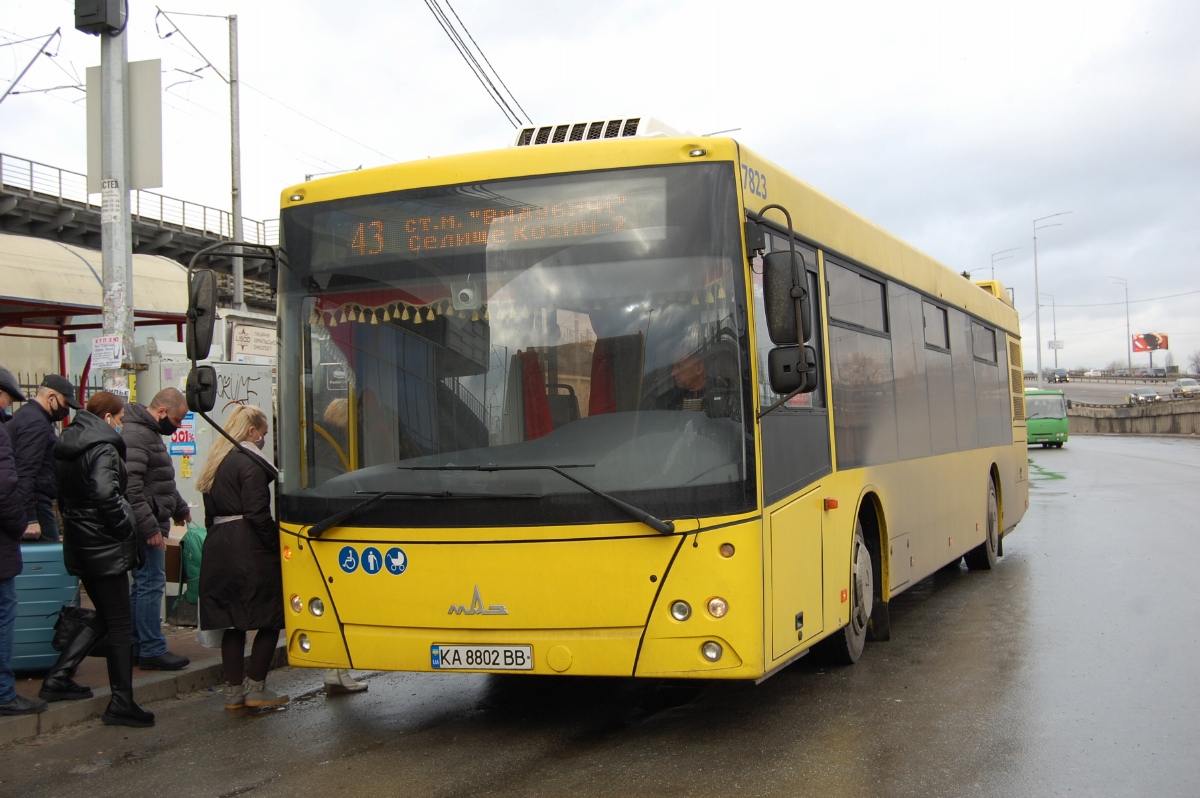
{"points": [[1045, 405], [592, 322]]}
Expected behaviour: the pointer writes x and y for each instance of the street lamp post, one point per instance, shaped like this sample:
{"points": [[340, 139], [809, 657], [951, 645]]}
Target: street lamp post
{"points": [[1006, 257], [1053, 329], [1128, 335], [1037, 296]]}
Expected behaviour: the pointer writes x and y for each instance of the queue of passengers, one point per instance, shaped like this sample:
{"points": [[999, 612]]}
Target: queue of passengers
{"points": [[114, 482]]}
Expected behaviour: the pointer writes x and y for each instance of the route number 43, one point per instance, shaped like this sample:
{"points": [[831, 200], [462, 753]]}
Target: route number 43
{"points": [[754, 181]]}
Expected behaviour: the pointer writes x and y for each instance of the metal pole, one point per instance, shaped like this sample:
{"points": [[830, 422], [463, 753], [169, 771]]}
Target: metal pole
{"points": [[41, 50], [1037, 297], [1037, 301], [1128, 332], [239, 302], [1006, 257], [1054, 328], [115, 227]]}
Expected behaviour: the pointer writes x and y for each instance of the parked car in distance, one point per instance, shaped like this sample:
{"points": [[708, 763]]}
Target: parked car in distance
{"points": [[1093, 373], [1121, 373], [1059, 375], [1156, 372], [1143, 396], [1185, 387]]}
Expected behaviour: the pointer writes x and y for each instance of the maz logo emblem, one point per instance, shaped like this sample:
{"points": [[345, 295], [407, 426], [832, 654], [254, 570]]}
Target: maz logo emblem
{"points": [[477, 607]]}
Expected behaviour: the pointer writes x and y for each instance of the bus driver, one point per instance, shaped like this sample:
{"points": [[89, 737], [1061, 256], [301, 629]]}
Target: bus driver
{"points": [[694, 389]]}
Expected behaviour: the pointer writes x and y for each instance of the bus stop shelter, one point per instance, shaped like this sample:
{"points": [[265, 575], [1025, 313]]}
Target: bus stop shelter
{"points": [[50, 290]]}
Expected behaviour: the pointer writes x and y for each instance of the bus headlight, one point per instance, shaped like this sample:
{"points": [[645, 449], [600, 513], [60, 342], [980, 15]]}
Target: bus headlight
{"points": [[717, 607], [306, 644], [296, 603], [316, 607], [681, 610], [712, 651]]}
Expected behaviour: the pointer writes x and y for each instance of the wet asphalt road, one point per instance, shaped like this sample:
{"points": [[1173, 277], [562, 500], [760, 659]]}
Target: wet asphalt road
{"points": [[1071, 669]]}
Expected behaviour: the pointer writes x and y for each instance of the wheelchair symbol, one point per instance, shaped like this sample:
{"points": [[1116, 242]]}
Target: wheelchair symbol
{"points": [[348, 559]]}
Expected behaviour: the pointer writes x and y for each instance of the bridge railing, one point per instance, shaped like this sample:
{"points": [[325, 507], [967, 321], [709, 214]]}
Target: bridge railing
{"points": [[20, 175]]}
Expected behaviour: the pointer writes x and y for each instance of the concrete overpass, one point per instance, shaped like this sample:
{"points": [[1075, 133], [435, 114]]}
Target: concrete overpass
{"points": [[48, 202]]}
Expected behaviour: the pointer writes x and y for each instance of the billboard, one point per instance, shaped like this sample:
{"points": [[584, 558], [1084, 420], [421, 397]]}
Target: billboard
{"points": [[1149, 342]]}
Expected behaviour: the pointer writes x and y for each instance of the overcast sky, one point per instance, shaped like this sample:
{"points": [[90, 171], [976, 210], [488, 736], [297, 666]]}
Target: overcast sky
{"points": [[952, 124]]}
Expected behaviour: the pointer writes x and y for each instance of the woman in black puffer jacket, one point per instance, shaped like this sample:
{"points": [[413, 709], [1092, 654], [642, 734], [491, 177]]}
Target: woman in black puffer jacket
{"points": [[100, 547]]}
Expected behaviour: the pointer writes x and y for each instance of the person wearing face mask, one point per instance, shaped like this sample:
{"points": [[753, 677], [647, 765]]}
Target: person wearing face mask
{"points": [[241, 582], [100, 547], [156, 502], [33, 437], [12, 527]]}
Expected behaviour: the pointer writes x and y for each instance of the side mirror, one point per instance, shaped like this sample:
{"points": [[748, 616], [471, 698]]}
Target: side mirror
{"points": [[201, 389], [792, 369], [786, 301], [202, 313]]}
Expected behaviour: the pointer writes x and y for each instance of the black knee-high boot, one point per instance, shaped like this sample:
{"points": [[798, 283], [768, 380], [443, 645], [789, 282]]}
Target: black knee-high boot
{"points": [[59, 684], [122, 710]]}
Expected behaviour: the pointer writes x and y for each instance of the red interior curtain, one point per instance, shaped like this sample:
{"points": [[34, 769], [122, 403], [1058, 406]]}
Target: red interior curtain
{"points": [[537, 406], [603, 398]]}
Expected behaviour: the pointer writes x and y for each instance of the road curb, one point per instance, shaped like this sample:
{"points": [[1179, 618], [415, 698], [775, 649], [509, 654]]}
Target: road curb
{"points": [[148, 687]]}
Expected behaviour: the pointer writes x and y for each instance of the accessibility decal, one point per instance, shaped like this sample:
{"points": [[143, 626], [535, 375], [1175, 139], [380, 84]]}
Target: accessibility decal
{"points": [[396, 561], [371, 560]]}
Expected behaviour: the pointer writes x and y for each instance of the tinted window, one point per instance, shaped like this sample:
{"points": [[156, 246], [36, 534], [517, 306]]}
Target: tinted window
{"points": [[936, 332], [984, 342], [855, 299]]}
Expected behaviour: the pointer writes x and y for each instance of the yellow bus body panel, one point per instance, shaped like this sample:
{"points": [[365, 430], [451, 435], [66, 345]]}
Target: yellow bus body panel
{"points": [[581, 603]]}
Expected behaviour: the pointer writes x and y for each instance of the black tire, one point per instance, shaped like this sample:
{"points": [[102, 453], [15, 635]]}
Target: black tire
{"points": [[983, 557], [846, 646]]}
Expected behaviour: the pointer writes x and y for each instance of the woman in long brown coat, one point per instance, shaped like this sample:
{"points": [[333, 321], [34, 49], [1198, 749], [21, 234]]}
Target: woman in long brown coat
{"points": [[241, 585]]}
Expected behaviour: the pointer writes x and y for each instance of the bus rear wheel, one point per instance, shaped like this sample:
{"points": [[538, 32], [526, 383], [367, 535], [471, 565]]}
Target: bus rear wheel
{"points": [[983, 557], [846, 646]]}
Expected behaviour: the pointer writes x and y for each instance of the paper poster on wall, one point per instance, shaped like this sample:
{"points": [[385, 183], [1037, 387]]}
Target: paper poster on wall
{"points": [[107, 352]]}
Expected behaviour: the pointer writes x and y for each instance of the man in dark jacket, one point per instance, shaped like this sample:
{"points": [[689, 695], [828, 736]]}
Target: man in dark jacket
{"points": [[33, 436], [12, 526], [155, 501]]}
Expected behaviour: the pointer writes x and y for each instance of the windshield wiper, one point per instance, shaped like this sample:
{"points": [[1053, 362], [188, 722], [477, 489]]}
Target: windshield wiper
{"points": [[637, 514], [319, 528]]}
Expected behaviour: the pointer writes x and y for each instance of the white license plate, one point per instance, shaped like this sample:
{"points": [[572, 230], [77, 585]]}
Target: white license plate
{"points": [[481, 658]]}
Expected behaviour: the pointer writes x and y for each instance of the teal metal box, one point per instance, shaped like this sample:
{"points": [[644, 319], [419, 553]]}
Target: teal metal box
{"points": [[43, 586]]}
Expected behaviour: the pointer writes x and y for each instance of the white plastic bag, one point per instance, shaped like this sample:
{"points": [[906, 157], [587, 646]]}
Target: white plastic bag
{"points": [[210, 638]]}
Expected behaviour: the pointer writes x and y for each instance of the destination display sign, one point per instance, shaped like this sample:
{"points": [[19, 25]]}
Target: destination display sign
{"points": [[564, 213]]}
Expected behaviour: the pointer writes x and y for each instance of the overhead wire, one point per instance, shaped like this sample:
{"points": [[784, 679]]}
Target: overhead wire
{"points": [[208, 64], [489, 63], [480, 73]]}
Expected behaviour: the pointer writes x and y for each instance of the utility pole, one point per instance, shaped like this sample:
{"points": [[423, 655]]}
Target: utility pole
{"points": [[235, 136], [108, 21], [235, 123], [1037, 296], [1128, 332]]}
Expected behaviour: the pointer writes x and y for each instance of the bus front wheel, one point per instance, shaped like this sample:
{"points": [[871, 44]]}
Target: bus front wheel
{"points": [[846, 646], [983, 556]]}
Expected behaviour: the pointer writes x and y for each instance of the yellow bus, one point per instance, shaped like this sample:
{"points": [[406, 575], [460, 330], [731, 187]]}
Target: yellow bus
{"points": [[614, 401]]}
